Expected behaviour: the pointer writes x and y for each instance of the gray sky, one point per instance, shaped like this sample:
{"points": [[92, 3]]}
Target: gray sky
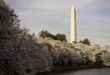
{"points": [[54, 15]]}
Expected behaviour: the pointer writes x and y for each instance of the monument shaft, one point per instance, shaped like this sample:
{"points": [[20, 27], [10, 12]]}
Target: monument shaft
{"points": [[73, 25]]}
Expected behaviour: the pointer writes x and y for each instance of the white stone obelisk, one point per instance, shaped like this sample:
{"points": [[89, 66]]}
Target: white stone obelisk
{"points": [[73, 25]]}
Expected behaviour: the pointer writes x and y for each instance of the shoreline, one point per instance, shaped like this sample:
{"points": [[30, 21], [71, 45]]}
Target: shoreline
{"points": [[63, 69]]}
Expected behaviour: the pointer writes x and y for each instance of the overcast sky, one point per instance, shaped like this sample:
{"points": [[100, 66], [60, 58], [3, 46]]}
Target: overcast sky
{"points": [[93, 17]]}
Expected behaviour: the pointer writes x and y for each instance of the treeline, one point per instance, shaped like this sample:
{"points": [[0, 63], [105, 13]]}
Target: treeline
{"points": [[60, 37], [78, 54], [47, 34]]}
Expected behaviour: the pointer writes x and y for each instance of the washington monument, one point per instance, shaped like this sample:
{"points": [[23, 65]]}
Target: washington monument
{"points": [[73, 25]]}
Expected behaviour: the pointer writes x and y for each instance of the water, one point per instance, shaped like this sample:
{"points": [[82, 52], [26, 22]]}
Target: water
{"points": [[105, 71]]}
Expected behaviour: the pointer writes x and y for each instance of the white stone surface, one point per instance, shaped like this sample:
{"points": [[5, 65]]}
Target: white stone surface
{"points": [[73, 25]]}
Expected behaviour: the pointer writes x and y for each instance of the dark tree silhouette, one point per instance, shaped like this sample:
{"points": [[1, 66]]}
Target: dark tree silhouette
{"points": [[85, 41], [58, 36]]}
